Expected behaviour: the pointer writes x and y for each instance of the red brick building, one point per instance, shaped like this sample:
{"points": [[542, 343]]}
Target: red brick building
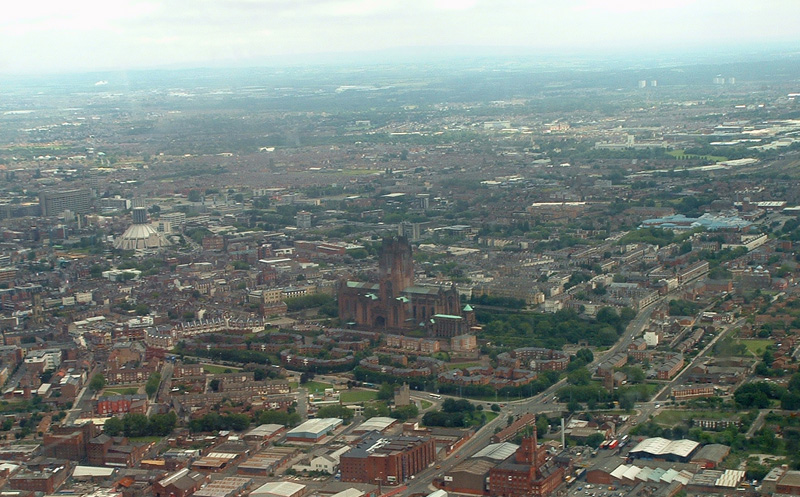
{"points": [[390, 460], [527, 472], [68, 442], [121, 404], [46, 482], [683, 392]]}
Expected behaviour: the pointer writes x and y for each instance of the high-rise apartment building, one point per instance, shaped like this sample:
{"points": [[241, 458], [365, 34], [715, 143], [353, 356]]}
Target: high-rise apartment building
{"points": [[53, 203]]}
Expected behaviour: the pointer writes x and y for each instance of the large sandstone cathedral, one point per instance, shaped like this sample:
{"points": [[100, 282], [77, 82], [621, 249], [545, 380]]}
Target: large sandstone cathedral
{"points": [[396, 304]]}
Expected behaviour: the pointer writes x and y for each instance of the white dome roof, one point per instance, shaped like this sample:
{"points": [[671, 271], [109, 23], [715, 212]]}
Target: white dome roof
{"points": [[140, 237]]}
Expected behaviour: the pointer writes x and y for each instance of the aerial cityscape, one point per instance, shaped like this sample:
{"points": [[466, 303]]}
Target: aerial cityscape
{"points": [[435, 275]]}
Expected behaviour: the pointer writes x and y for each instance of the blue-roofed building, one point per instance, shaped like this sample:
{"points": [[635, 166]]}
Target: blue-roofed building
{"points": [[711, 222]]}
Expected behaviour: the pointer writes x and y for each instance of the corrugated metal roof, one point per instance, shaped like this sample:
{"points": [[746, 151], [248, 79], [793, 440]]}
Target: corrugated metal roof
{"points": [[631, 472], [283, 488], [669, 475], [620, 471], [498, 451], [730, 478], [656, 474]]}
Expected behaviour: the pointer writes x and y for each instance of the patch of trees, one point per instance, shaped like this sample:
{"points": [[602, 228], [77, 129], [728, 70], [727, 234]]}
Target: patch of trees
{"points": [[216, 422], [454, 414], [97, 382], [508, 302], [401, 413], [308, 301], [580, 360], [233, 355], [335, 411], [683, 308], [553, 330], [717, 257], [653, 236], [284, 418], [757, 394], [139, 425]]}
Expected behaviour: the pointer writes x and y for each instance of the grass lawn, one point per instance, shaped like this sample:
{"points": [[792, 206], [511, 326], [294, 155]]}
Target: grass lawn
{"points": [[358, 395], [214, 369], [317, 386], [121, 391], [425, 404], [756, 346], [490, 415], [672, 417]]}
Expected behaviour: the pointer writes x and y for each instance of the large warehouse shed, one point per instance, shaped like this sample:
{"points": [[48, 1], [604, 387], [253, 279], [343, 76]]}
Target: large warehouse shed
{"points": [[313, 430], [665, 450]]}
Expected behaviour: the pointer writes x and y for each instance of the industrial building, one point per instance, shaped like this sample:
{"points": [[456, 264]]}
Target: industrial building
{"points": [[710, 456], [313, 430], [264, 432], [266, 461], [377, 423], [471, 475], [666, 450], [279, 489]]}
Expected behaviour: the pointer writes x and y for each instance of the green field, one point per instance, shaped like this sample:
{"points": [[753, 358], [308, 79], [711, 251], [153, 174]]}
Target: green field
{"points": [[347, 396], [215, 369], [425, 404], [756, 346], [316, 386], [674, 416]]}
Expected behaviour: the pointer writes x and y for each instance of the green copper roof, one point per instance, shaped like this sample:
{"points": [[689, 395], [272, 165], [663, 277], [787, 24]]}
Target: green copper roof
{"points": [[467, 308]]}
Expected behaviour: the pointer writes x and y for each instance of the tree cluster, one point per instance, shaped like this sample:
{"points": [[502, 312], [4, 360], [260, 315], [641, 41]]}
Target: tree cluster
{"points": [[139, 425]]}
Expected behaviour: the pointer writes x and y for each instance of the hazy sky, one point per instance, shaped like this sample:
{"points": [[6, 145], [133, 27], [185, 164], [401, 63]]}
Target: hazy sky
{"points": [[66, 35]]}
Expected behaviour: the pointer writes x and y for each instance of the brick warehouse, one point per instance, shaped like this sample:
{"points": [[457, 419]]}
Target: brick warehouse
{"points": [[390, 460]]}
